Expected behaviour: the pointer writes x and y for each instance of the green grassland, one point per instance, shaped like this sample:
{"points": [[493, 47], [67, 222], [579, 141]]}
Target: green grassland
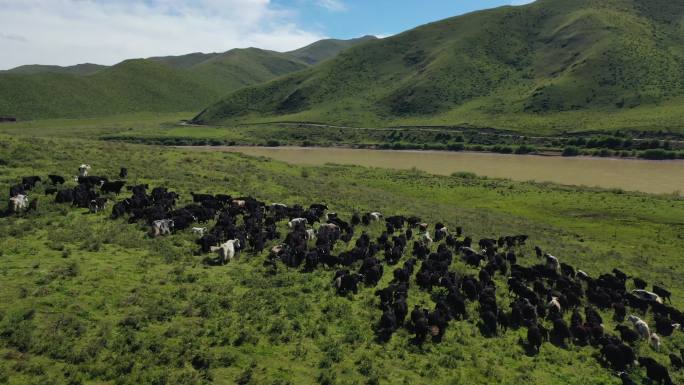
{"points": [[170, 129], [85, 299], [550, 66]]}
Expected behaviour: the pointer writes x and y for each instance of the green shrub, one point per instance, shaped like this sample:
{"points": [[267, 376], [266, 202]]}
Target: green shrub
{"points": [[455, 147], [464, 175], [502, 149], [525, 149], [658, 154], [570, 151]]}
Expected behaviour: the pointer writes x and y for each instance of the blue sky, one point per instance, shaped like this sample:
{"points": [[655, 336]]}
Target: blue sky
{"points": [[346, 19], [67, 32]]}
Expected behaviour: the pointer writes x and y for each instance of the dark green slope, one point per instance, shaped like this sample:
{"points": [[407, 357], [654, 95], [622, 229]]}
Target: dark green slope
{"points": [[159, 84], [131, 86], [326, 49], [243, 67], [549, 57], [79, 69]]}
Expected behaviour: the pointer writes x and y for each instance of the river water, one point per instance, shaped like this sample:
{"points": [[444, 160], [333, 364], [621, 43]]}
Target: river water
{"points": [[628, 174]]}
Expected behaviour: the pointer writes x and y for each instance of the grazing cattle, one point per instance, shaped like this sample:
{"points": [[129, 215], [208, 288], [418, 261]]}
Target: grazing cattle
{"points": [[625, 379], [538, 251], [310, 234], [64, 196], [199, 231], [83, 170], [123, 173], [375, 216], [583, 275], [161, 227], [655, 371], [33, 205], [18, 203], [420, 323], [91, 181], [329, 231], [647, 296], [627, 334], [297, 222], [30, 181], [427, 238], [56, 179], [619, 357], [318, 207], [534, 337], [655, 342], [665, 326], [396, 221], [620, 275], [206, 242], [346, 282], [18, 189], [552, 262], [554, 305], [400, 310], [560, 331], [112, 187], [226, 251], [676, 361], [441, 231], [639, 283], [388, 324], [640, 326], [96, 205], [662, 293], [620, 311]]}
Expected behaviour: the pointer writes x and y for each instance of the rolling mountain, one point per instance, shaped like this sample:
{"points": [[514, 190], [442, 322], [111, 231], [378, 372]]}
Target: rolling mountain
{"points": [[543, 62], [79, 69], [158, 84], [325, 49]]}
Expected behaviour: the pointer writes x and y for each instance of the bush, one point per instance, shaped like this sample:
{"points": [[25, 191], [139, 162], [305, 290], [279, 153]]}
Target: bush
{"points": [[658, 154], [570, 151], [525, 149], [502, 149], [272, 143], [464, 175], [605, 153]]}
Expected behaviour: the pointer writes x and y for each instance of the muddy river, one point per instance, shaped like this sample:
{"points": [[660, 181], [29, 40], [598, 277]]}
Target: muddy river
{"points": [[627, 174]]}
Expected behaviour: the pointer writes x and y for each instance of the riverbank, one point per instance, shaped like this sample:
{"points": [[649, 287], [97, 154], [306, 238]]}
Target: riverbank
{"points": [[654, 177]]}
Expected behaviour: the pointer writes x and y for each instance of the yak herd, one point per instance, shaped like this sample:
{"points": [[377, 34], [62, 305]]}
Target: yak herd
{"points": [[541, 295]]}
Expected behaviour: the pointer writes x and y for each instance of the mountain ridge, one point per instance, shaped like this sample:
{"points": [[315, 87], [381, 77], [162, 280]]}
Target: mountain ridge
{"points": [[157, 84], [525, 62]]}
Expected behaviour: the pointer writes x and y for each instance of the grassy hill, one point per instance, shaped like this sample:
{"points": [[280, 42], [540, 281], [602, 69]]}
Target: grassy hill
{"points": [[326, 49], [544, 65], [159, 84], [79, 69]]}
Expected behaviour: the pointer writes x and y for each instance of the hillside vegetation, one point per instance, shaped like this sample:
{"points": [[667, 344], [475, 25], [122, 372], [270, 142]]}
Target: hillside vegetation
{"points": [[326, 49], [546, 65], [159, 84]]}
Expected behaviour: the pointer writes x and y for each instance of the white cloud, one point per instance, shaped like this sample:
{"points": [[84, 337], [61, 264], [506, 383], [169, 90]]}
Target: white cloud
{"points": [[332, 5], [67, 32], [521, 2]]}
